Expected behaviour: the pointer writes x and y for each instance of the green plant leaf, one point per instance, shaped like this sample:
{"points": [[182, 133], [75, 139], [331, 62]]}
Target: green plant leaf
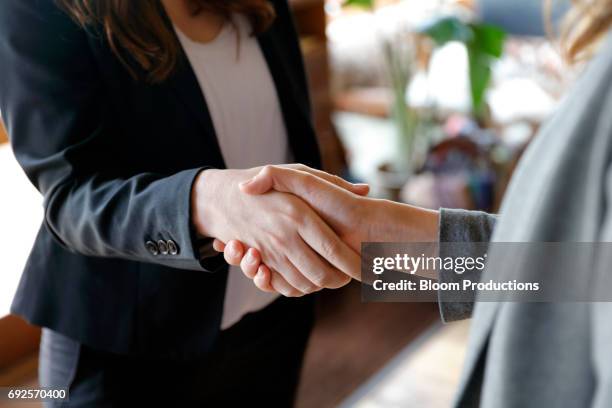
{"points": [[448, 29], [480, 76], [360, 3], [486, 46], [489, 39], [484, 43]]}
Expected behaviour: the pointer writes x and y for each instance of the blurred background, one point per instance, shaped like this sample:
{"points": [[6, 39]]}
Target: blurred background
{"points": [[431, 102]]}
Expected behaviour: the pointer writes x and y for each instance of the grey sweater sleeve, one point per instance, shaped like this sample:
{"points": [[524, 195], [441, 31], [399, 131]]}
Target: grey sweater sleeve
{"points": [[461, 226]]}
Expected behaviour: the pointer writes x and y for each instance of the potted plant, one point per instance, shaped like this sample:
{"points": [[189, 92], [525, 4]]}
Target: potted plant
{"points": [[399, 54], [484, 44]]}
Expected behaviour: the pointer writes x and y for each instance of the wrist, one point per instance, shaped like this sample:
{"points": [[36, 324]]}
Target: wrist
{"points": [[397, 222], [205, 197]]}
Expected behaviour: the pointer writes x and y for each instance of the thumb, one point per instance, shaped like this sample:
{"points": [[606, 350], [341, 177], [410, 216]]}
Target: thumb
{"points": [[291, 179], [279, 178], [259, 184], [321, 194], [332, 202]]}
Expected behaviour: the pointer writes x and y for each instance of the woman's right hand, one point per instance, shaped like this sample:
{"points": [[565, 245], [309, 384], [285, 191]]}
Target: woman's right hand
{"points": [[354, 218], [292, 239]]}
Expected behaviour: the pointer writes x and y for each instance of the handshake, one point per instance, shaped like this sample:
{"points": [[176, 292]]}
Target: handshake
{"points": [[296, 230]]}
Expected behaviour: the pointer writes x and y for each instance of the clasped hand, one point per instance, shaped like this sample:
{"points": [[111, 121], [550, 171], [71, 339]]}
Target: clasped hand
{"points": [[302, 253], [295, 230]]}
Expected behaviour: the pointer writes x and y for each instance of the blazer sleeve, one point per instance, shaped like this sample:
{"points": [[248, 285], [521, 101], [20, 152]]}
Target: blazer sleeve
{"points": [[50, 100], [465, 227]]}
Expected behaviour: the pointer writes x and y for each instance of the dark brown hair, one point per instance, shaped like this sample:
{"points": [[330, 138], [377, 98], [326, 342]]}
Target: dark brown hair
{"points": [[139, 35]]}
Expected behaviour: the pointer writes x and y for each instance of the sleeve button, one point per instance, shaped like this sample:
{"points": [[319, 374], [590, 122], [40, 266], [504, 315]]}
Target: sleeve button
{"points": [[163, 247], [172, 247], [152, 248]]}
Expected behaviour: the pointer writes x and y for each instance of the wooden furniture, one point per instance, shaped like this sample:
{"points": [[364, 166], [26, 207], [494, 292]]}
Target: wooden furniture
{"points": [[375, 102], [3, 135], [310, 20], [18, 351]]}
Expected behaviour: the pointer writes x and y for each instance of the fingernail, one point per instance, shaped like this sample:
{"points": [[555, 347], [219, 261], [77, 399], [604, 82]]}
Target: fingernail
{"points": [[236, 250], [250, 258], [363, 185]]}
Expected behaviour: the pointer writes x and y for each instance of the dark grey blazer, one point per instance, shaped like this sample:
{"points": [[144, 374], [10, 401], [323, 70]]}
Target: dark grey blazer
{"points": [[547, 354], [116, 264]]}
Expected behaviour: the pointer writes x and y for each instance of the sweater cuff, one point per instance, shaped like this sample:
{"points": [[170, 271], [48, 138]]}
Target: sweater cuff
{"points": [[468, 227]]}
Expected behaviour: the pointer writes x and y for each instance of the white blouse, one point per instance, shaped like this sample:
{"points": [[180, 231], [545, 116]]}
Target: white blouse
{"points": [[242, 100]]}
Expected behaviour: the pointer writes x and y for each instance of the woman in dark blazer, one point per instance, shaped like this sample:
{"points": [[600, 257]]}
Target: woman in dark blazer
{"points": [[110, 121]]}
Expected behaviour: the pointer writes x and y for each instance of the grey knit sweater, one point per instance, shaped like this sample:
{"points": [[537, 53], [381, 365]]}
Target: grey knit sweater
{"points": [[547, 354]]}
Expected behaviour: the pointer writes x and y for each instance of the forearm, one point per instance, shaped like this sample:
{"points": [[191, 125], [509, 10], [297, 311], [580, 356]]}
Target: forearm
{"points": [[126, 218], [397, 222]]}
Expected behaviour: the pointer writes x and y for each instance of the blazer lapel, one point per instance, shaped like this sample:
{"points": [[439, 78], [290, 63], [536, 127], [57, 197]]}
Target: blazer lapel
{"points": [[297, 119], [285, 88], [184, 85]]}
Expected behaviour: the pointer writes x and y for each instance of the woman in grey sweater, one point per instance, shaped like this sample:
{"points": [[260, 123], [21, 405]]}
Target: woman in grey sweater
{"points": [[520, 354]]}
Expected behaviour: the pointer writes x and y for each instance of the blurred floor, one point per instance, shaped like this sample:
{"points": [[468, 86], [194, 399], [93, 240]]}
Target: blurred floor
{"points": [[352, 341], [425, 374]]}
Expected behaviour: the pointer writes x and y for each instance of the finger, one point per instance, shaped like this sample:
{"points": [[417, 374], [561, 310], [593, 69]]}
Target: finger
{"points": [[218, 245], [294, 277], [272, 281], [250, 263], [357, 188], [234, 251], [324, 241], [263, 278], [316, 269], [361, 189], [292, 178], [280, 285]]}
